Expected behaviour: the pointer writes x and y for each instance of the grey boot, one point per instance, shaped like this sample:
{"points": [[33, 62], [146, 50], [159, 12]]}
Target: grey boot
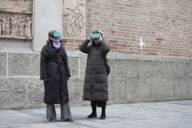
{"points": [[65, 112], [51, 113]]}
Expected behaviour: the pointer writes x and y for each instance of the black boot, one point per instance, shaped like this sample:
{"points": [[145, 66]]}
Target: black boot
{"points": [[103, 115], [94, 111]]}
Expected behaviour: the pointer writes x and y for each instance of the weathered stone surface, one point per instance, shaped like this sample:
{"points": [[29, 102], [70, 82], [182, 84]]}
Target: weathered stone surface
{"points": [[183, 88], [19, 6], [116, 90], [172, 68], [16, 19], [74, 19], [35, 91], [24, 64], [188, 68], [188, 84], [149, 68], [3, 63], [123, 68], [131, 80], [74, 66], [13, 93], [75, 87], [82, 66], [123, 90], [144, 90], [29, 92], [17, 26], [180, 88], [130, 89], [163, 88]]}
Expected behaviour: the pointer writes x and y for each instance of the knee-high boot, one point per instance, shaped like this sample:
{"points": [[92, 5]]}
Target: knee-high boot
{"points": [[103, 114], [103, 108], [94, 110]]}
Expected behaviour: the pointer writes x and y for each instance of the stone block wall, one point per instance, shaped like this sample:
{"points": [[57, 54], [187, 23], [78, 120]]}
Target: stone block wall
{"points": [[132, 79], [150, 79]]}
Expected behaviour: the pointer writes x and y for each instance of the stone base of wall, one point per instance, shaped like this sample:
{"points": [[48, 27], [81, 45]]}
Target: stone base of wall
{"points": [[132, 79]]}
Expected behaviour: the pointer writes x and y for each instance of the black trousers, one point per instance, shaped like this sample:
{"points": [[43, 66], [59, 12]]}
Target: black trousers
{"points": [[101, 104]]}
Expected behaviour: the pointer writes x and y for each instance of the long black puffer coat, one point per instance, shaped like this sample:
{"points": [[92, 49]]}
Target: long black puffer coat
{"points": [[96, 79], [55, 72]]}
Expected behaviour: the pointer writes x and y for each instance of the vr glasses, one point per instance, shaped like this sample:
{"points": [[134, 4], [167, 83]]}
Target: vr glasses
{"points": [[95, 36], [55, 34]]}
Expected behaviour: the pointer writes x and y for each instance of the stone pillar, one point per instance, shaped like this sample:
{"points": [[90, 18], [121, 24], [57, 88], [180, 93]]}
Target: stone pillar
{"points": [[47, 15]]}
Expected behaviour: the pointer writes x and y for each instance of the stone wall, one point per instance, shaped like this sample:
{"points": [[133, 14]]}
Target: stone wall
{"points": [[159, 71], [132, 79]]}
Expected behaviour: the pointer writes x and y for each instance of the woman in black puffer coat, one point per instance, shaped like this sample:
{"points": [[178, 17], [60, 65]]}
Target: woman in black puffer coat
{"points": [[96, 78], [55, 72]]}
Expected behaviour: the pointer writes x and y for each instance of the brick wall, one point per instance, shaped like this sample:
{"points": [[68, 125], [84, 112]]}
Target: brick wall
{"points": [[164, 25]]}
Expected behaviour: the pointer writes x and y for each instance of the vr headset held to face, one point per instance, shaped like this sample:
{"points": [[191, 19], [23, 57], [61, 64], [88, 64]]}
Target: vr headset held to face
{"points": [[96, 35], [54, 34]]}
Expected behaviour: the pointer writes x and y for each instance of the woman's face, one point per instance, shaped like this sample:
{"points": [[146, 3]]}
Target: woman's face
{"points": [[96, 42], [54, 40]]}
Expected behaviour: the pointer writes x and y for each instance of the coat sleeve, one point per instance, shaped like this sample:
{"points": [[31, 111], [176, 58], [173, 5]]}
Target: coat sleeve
{"points": [[66, 65], [43, 65], [105, 48], [84, 46]]}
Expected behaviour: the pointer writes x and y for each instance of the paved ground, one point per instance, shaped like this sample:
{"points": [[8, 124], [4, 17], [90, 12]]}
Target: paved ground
{"points": [[175, 114]]}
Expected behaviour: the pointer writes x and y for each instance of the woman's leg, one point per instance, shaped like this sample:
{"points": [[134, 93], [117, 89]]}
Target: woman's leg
{"points": [[94, 110], [103, 107], [51, 113], [65, 112]]}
